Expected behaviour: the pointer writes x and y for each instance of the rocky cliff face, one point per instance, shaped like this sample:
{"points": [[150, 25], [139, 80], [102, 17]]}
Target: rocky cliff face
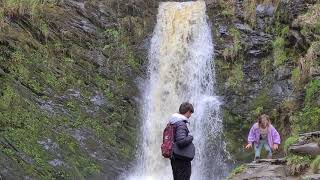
{"points": [[69, 78], [267, 63], [70, 74]]}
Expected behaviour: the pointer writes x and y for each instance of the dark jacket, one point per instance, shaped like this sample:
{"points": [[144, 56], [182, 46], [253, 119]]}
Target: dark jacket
{"points": [[182, 139]]}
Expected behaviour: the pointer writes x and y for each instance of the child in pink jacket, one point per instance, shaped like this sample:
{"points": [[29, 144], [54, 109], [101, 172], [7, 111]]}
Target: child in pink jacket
{"points": [[263, 134]]}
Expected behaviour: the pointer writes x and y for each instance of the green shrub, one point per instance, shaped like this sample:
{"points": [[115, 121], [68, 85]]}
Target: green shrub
{"points": [[297, 164]]}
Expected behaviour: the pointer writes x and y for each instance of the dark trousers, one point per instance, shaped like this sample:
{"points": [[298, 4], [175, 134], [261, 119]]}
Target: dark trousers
{"points": [[181, 169]]}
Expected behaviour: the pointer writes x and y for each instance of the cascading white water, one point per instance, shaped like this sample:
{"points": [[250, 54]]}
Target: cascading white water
{"points": [[181, 69]]}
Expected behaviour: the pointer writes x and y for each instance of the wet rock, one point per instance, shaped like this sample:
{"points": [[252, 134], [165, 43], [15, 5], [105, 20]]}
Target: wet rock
{"points": [[309, 149], [307, 144], [97, 57], [255, 52], [239, 13], [47, 106], [244, 27], [2, 72], [258, 43], [53, 108], [11, 170], [280, 90], [264, 16], [315, 71], [311, 177], [308, 137], [25, 158], [283, 73], [262, 171], [223, 30], [56, 162], [265, 10], [76, 4], [98, 99], [297, 40], [48, 144], [73, 93], [97, 150], [280, 161], [83, 25], [289, 10]]}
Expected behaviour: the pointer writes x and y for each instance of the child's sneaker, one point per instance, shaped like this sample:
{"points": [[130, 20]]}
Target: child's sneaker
{"points": [[255, 159]]}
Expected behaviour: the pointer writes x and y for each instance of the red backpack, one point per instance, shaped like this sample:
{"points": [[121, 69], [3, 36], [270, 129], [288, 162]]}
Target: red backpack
{"points": [[168, 141]]}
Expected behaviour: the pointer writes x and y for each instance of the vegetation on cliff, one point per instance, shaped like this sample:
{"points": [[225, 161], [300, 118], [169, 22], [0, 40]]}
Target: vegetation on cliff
{"points": [[68, 75], [268, 62], [67, 89]]}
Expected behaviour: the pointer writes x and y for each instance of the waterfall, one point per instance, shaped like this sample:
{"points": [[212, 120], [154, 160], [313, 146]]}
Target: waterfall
{"points": [[181, 69]]}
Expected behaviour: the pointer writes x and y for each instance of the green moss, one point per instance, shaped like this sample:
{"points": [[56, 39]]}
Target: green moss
{"points": [[262, 101], [238, 170], [35, 126], [233, 53], [112, 33], [236, 77], [296, 76], [265, 66], [40, 66], [227, 13], [22, 7], [307, 119], [82, 165], [257, 111], [312, 91], [289, 141], [279, 53], [234, 125], [250, 11], [315, 165], [310, 119], [317, 27], [285, 32]]}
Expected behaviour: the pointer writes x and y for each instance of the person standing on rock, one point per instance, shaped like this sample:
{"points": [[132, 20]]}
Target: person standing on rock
{"points": [[263, 134], [183, 148]]}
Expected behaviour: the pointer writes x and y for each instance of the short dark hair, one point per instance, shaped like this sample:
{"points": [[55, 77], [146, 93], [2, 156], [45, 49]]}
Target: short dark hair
{"points": [[185, 107]]}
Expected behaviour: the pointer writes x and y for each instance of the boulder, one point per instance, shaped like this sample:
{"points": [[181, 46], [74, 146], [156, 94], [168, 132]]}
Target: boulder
{"points": [[309, 149], [283, 73], [307, 144], [265, 10]]}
